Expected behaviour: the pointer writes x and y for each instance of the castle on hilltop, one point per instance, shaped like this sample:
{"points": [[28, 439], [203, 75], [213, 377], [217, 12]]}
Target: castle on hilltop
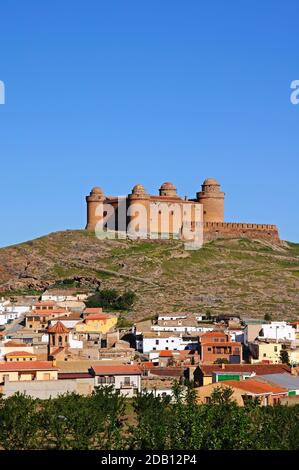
{"points": [[210, 200]]}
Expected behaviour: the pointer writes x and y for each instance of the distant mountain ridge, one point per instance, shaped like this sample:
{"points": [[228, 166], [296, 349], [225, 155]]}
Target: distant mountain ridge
{"points": [[238, 276]]}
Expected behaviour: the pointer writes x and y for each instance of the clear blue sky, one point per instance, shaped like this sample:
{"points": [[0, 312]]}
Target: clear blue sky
{"points": [[113, 93]]}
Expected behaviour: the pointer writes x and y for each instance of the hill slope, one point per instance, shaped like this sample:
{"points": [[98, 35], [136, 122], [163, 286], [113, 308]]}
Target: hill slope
{"points": [[233, 276]]}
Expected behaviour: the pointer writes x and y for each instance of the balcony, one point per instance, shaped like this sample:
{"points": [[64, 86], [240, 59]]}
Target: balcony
{"points": [[128, 385]]}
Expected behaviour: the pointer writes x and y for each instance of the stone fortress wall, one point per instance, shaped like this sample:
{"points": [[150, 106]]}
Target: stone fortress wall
{"points": [[210, 199]]}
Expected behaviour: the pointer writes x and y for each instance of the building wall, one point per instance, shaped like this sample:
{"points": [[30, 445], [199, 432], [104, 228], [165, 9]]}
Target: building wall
{"points": [[214, 230], [6, 349], [119, 380], [45, 390], [96, 326], [265, 352], [278, 330], [232, 353], [170, 343]]}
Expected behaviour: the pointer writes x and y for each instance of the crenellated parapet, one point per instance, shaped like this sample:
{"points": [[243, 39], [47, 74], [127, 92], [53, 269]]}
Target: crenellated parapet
{"points": [[213, 230]]}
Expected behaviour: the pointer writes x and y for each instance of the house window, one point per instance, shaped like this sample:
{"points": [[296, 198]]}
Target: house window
{"points": [[209, 349], [157, 341], [101, 379], [127, 380], [275, 348], [111, 380]]}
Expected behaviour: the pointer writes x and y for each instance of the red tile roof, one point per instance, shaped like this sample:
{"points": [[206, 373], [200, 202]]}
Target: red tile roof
{"points": [[20, 354], [259, 369], [167, 371], [36, 313], [147, 365], [58, 328], [255, 386], [14, 344], [93, 310], [97, 316], [213, 333], [26, 365], [73, 375], [165, 353], [123, 369]]}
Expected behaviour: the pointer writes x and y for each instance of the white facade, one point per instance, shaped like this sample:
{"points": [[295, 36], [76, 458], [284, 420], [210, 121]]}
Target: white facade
{"points": [[6, 317], [67, 323], [279, 330], [11, 312], [172, 316], [162, 342], [127, 384], [47, 296], [236, 335], [182, 328]]}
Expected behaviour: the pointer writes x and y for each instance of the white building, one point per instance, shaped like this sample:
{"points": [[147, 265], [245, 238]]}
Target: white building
{"points": [[236, 334], [278, 330], [9, 313], [65, 295], [126, 378], [160, 341]]}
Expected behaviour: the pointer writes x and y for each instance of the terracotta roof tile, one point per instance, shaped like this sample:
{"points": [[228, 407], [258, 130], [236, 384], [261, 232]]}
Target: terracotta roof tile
{"points": [[20, 354], [122, 369], [165, 353], [259, 369], [27, 365], [97, 317], [255, 386], [58, 328], [88, 310]]}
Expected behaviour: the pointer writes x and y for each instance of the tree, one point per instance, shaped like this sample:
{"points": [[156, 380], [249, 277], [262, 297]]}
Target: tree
{"points": [[284, 356], [19, 422], [112, 299], [267, 317]]}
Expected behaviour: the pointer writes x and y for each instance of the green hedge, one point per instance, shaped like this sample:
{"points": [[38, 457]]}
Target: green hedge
{"points": [[108, 421]]}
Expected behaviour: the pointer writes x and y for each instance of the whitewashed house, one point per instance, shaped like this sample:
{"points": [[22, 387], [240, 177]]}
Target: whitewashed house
{"points": [[278, 331], [126, 378], [160, 341]]}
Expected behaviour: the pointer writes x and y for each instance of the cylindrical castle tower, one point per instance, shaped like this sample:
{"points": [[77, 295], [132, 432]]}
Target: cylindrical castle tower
{"points": [[95, 197], [167, 189], [138, 207], [212, 200]]}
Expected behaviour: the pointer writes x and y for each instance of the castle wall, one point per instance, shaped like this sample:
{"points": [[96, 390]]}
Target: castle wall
{"points": [[214, 230]]}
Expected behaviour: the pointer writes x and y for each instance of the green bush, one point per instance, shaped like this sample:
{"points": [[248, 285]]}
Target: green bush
{"points": [[111, 299]]}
